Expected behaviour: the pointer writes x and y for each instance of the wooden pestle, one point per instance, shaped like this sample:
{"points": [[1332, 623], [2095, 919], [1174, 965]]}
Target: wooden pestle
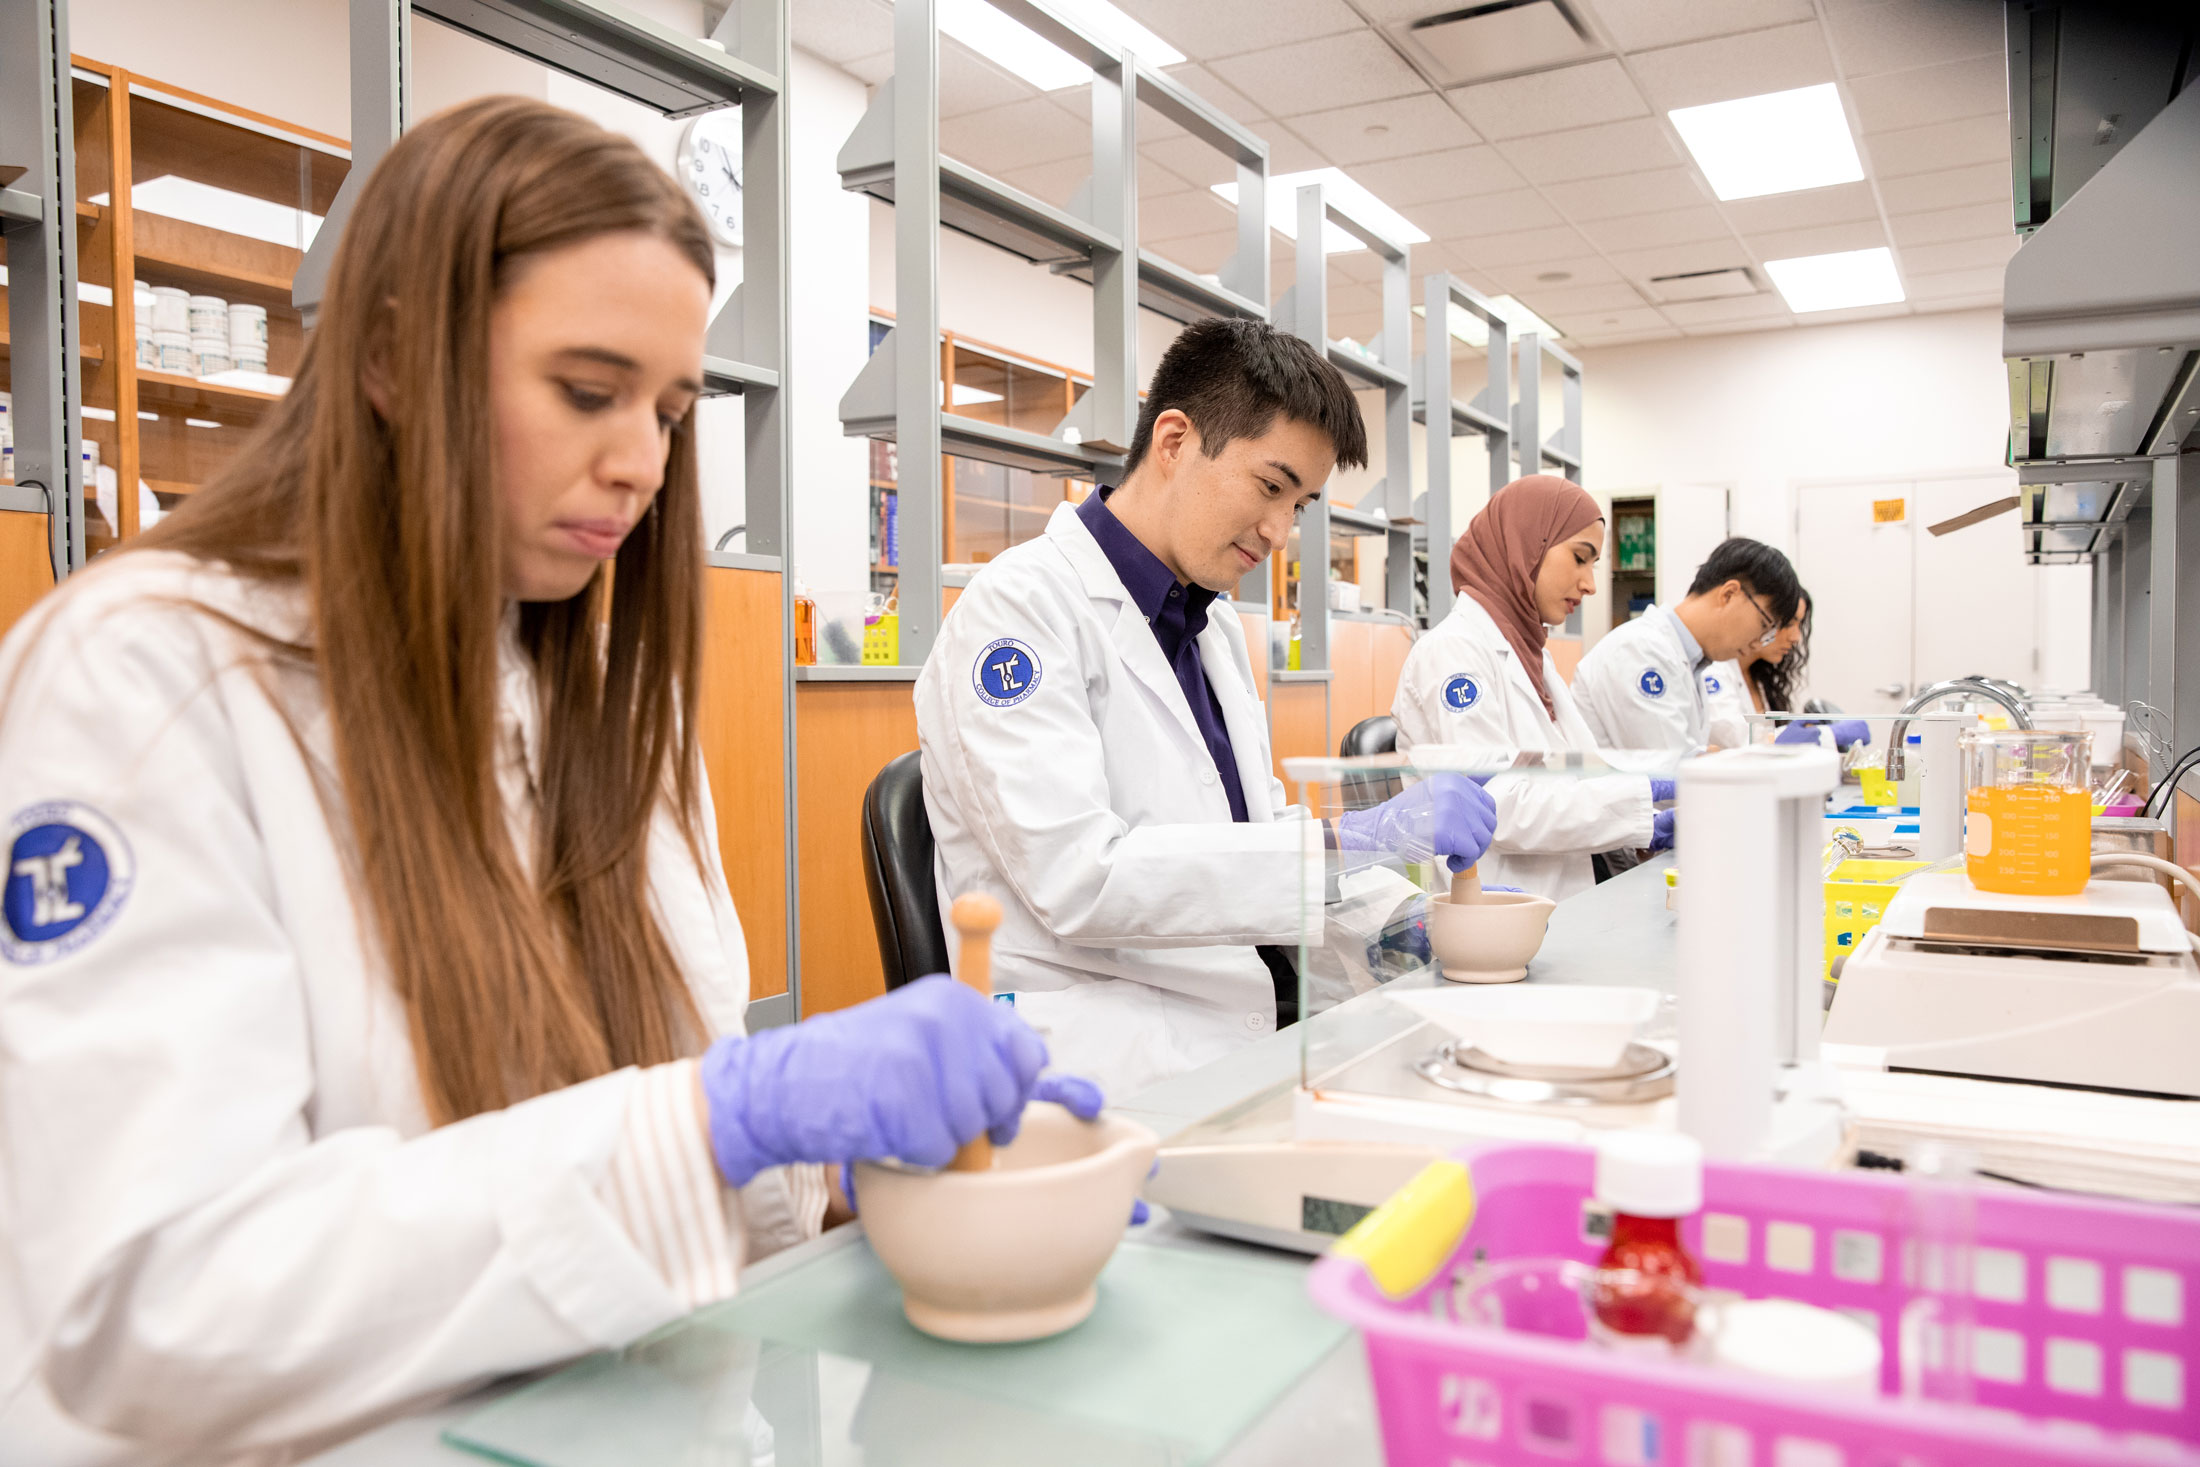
{"points": [[975, 916], [1466, 886]]}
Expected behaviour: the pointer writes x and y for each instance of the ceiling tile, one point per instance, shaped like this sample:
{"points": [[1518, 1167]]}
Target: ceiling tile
{"points": [[1210, 30], [1318, 75], [1647, 231], [969, 83], [1155, 180], [1526, 278], [1732, 308], [1200, 251], [1592, 152], [1977, 87], [1747, 65], [1191, 159], [1528, 247], [1638, 25], [1057, 181], [1553, 301], [1628, 193], [1348, 296], [1172, 217], [1949, 283], [1396, 128], [1824, 239], [1780, 322], [1836, 204], [1872, 40], [1568, 96], [1483, 214], [841, 30], [1620, 338], [1681, 259], [1455, 173], [1853, 313], [1939, 147], [1363, 266], [1965, 221], [1640, 318], [1978, 301], [1962, 254], [1974, 183], [872, 69], [1233, 103], [1022, 133]]}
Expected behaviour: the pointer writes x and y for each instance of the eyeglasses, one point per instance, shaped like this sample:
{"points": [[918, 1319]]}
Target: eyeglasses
{"points": [[1772, 627]]}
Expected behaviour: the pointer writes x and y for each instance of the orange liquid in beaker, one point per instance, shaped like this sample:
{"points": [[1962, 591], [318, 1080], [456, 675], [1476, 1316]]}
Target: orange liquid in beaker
{"points": [[2028, 839]]}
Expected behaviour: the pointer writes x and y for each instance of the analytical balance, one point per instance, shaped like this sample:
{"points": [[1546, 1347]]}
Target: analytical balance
{"points": [[1378, 1090], [2099, 989]]}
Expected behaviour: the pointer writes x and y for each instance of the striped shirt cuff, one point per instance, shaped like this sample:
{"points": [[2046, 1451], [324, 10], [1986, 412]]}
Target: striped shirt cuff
{"points": [[664, 1189]]}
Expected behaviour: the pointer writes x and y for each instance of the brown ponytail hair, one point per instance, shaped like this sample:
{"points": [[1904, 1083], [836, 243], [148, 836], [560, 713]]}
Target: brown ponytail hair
{"points": [[516, 982]]}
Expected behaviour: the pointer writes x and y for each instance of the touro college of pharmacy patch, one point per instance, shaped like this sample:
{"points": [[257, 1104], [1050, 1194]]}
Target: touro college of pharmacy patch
{"points": [[69, 870]]}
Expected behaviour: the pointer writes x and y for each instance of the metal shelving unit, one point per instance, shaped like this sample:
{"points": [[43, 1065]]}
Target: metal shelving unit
{"points": [[893, 154], [1386, 509], [38, 226], [1489, 414]]}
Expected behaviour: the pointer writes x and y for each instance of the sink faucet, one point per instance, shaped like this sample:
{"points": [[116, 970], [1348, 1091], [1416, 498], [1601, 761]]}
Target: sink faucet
{"points": [[1957, 686]]}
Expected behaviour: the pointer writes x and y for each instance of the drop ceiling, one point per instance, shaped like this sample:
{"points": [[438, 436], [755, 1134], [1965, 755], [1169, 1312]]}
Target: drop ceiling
{"points": [[1566, 187]]}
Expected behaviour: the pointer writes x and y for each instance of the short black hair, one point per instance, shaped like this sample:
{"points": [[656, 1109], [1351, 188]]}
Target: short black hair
{"points": [[1762, 570], [1232, 378]]}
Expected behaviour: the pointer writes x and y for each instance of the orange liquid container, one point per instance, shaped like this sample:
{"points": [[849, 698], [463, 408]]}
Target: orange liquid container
{"points": [[805, 631], [2028, 814]]}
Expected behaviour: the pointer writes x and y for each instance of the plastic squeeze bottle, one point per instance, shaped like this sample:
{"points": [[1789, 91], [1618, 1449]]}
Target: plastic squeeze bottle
{"points": [[1645, 1291]]}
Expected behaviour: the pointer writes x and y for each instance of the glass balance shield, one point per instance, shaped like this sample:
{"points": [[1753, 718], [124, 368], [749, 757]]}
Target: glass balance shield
{"points": [[1376, 928]]}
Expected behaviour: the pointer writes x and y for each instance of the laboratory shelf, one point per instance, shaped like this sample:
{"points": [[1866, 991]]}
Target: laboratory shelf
{"points": [[1356, 522], [1365, 368], [984, 208], [15, 203], [722, 375], [1464, 415], [1562, 458], [1169, 289], [613, 47]]}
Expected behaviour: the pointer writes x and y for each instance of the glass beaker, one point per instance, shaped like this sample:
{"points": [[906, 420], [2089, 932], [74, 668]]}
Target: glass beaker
{"points": [[2028, 811]]}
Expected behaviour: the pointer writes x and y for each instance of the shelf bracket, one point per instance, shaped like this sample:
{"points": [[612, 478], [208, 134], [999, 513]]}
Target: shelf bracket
{"points": [[381, 109]]}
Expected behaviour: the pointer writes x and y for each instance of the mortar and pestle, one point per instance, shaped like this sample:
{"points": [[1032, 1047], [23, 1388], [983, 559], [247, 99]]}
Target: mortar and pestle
{"points": [[1007, 1243], [1485, 936]]}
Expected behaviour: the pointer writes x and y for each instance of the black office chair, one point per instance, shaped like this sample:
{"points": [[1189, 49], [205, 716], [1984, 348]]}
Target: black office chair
{"points": [[1377, 735], [897, 869]]}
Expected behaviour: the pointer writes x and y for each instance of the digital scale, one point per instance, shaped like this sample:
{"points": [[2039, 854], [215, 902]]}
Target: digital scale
{"points": [[2099, 989]]}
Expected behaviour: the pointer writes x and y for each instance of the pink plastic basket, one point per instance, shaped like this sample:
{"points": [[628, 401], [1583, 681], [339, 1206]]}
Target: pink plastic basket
{"points": [[2085, 1341]]}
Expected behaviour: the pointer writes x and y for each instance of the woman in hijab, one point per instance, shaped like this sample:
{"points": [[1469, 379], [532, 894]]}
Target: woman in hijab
{"points": [[1482, 677]]}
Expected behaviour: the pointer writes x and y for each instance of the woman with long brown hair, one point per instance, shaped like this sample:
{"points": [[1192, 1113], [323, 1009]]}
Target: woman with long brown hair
{"points": [[370, 995]]}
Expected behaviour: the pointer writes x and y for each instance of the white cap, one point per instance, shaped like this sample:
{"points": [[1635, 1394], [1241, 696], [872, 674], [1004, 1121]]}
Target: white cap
{"points": [[1650, 1173], [1781, 1339]]}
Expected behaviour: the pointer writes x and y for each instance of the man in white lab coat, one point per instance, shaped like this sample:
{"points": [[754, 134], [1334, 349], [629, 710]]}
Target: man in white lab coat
{"points": [[1642, 686], [1094, 748]]}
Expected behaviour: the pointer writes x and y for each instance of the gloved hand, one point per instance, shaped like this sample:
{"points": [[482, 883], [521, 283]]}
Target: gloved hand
{"points": [[1661, 831], [1801, 731], [1661, 791], [911, 1076], [1851, 731], [1515, 890], [1075, 1094], [1444, 815]]}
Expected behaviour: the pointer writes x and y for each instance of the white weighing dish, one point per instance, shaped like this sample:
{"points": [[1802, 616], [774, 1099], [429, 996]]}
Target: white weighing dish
{"points": [[1561, 1026]]}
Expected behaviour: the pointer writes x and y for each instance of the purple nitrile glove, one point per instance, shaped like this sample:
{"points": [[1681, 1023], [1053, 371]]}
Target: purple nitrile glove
{"points": [[913, 1076], [1802, 731], [1661, 831], [1661, 790], [1851, 731], [1447, 815], [1514, 890]]}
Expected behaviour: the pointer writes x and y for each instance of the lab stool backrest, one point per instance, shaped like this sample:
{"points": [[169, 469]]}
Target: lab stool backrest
{"points": [[897, 869], [1377, 735]]}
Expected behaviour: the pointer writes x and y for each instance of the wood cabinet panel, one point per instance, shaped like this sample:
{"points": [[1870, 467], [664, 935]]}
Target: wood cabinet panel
{"points": [[743, 731], [844, 735]]}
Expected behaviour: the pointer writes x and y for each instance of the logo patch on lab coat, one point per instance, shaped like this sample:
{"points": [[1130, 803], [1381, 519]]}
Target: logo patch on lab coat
{"points": [[1711, 684], [1652, 685], [1460, 694], [68, 872], [1006, 673]]}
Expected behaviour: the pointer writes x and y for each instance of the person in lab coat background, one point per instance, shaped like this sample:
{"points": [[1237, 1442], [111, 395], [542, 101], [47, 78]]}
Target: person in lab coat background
{"points": [[371, 997], [1769, 679], [1483, 676], [1641, 686], [1094, 749]]}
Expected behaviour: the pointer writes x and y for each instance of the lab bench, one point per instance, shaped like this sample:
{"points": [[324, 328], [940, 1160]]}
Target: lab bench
{"points": [[829, 1407]]}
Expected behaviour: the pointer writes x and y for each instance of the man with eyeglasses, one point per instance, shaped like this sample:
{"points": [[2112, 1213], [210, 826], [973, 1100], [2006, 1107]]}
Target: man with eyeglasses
{"points": [[1641, 686]]}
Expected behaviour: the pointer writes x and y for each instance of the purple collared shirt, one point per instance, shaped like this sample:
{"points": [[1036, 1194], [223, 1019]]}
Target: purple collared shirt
{"points": [[1177, 614]]}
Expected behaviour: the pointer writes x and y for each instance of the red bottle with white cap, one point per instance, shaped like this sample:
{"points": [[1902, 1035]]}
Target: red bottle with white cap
{"points": [[1647, 1283]]}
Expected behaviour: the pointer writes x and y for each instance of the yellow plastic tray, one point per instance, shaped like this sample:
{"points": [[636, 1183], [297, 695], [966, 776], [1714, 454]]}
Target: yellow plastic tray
{"points": [[1856, 898]]}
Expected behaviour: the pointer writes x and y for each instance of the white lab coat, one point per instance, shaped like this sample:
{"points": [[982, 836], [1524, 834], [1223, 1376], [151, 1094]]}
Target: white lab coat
{"points": [[1639, 689], [1462, 684], [225, 1220], [1728, 705], [1064, 775]]}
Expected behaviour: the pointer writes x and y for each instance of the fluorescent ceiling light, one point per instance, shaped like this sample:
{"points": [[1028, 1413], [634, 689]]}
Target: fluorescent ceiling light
{"points": [[1339, 190], [1829, 282], [1772, 144], [1020, 50], [1475, 332]]}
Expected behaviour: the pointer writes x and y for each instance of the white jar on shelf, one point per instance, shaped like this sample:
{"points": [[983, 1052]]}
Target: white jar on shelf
{"points": [[210, 356], [172, 353], [171, 311], [209, 318], [247, 330]]}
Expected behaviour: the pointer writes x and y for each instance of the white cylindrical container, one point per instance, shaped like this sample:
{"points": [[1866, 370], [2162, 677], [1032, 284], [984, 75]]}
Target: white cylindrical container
{"points": [[209, 318], [172, 352], [171, 310], [141, 322], [1799, 1344], [210, 355], [247, 330], [89, 449]]}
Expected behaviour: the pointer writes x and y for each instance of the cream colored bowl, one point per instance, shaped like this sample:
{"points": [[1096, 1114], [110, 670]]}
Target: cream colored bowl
{"points": [[1012, 1253], [1489, 941]]}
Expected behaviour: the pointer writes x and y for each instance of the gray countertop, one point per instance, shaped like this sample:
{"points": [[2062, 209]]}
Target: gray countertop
{"points": [[1619, 932]]}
